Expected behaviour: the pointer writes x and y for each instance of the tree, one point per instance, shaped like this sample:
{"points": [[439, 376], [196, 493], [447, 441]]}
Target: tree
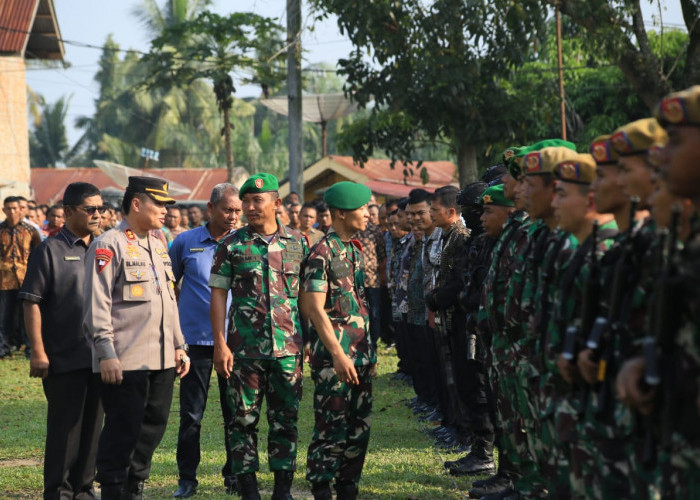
{"points": [[433, 72], [48, 144], [211, 47], [617, 29]]}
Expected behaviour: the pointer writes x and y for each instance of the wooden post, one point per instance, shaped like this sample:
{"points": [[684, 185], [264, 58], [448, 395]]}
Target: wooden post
{"points": [[296, 169], [561, 76]]}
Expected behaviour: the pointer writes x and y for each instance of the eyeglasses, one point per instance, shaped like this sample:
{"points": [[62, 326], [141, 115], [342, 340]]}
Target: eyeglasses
{"points": [[90, 210]]}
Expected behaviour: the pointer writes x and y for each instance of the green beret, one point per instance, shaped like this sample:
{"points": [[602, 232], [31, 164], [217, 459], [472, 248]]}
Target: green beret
{"points": [[638, 136], [516, 166], [552, 143], [680, 108], [259, 183], [347, 195], [495, 196]]}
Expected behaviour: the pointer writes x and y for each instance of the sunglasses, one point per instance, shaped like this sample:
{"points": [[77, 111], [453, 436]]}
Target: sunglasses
{"points": [[90, 210]]}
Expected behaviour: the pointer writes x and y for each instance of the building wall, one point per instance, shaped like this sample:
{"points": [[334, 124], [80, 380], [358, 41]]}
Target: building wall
{"points": [[14, 139]]}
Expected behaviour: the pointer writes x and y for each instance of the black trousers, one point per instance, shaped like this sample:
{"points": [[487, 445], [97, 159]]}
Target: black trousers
{"points": [[422, 355], [194, 389], [136, 413], [73, 423], [400, 337]]}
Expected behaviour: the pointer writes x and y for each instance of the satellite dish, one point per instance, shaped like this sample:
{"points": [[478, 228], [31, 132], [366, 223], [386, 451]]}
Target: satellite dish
{"points": [[120, 175], [316, 108]]}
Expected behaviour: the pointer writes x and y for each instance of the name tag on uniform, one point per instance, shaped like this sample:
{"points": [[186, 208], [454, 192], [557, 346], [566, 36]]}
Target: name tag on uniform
{"points": [[195, 250], [340, 268], [251, 258], [71, 257]]}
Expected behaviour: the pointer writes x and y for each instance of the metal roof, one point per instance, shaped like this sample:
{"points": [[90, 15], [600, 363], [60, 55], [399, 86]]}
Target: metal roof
{"points": [[29, 28]]}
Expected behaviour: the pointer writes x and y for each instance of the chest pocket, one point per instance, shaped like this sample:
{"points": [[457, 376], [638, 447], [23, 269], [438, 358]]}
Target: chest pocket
{"points": [[170, 278], [137, 286], [247, 275], [291, 265]]}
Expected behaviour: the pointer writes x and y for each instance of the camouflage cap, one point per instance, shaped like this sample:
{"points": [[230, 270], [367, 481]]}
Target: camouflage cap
{"points": [[602, 151], [680, 108], [544, 161], [579, 170], [259, 183], [495, 196], [155, 187], [638, 136], [347, 195]]}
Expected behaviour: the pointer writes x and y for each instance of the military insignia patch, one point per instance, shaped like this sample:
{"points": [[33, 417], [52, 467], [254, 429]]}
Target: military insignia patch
{"points": [[136, 290], [102, 257], [130, 235], [673, 110], [259, 183], [600, 152], [509, 153], [622, 142], [655, 155], [533, 163], [137, 274], [569, 170], [133, 251], [487, 199]]}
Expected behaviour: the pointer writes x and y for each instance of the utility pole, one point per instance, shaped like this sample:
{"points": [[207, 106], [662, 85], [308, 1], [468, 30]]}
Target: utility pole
{"points": [[296, 168], [562, 95]]}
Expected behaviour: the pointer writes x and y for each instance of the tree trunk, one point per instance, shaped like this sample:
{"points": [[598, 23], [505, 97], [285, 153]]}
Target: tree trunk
{"points": [[227, 144], [296, 136], [691, 11], [466, 161]]}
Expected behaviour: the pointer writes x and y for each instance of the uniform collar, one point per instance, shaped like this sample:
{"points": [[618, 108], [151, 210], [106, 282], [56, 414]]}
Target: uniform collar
{"points": [[71, 238]]}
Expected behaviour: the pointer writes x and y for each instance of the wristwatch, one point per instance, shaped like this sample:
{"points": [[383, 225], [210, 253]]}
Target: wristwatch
{"points": [[184, 347]]}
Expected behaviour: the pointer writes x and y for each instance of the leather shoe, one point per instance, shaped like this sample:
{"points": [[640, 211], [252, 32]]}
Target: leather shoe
{"points": [[185, 489]]}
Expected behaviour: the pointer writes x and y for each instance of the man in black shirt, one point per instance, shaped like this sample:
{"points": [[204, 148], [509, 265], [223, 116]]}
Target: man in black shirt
{"points": [[61, 356]]}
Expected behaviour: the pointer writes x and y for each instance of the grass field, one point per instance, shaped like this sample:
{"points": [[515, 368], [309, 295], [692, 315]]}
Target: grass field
{"points": [[401, 463]]}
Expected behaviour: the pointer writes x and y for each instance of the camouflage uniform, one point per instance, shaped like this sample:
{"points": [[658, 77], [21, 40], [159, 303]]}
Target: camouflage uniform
{"points": [[341, 411], [265, 338], [491, 326], [556, 396]]}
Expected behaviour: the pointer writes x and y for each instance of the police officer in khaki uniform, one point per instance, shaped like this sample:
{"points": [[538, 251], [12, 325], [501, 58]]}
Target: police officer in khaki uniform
{"points": [[138, 347]]}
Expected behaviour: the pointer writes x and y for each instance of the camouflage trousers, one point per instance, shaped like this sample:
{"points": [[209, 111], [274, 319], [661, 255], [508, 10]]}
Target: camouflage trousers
{"points": [[680, 469], [567, 428], [342, 416], [279, 382]]}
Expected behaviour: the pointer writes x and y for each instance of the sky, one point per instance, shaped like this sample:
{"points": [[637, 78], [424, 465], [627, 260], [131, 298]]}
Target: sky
{"points": [[90, 21]]}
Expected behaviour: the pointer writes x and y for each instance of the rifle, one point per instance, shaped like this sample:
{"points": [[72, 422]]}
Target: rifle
{"points": [[660, 337], [606, 330]]}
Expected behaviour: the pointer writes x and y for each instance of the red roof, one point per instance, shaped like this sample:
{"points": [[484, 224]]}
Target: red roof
{"points": [[29, 28], [440, 173], [49, 183]]}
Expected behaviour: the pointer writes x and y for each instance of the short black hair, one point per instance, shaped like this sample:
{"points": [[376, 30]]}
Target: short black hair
{"points": [[470, 194], [402, 203], [129, 197], [309, 204], [55, 207], [446, 196], [418, 195], [10, 199], [76, 193], [322, 206]]}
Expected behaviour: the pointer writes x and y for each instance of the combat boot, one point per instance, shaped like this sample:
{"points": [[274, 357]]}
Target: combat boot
{"points": [[479, 461], [134, 489], [112, 491], [494, 484], [283, 485], [248, 486], [346, 490], [321, 491]]}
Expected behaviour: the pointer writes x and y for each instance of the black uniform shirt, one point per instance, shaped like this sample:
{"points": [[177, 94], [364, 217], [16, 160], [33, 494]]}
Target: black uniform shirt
{"points": [[55, 276]]}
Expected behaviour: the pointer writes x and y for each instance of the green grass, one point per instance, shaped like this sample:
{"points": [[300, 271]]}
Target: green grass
{"points": [[401, 462]]}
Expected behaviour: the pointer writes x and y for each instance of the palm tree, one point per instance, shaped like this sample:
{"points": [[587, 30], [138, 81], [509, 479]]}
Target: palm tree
{"points": [[48, 143]]}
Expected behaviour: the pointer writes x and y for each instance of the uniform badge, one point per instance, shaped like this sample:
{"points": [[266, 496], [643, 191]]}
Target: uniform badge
{"points": [[136, 290], [621, 142], [102, 257], [196, 250], [487, 199], [130, 235], [162, 252], [71, 258], [569, 170], [259, 183], [533, 163], [673, 110], [133, 251], [599, 150], [137, 274]]}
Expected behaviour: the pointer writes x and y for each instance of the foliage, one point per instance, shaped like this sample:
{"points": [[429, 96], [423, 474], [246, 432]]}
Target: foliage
{"points": [[401, 462], [48, 143]]}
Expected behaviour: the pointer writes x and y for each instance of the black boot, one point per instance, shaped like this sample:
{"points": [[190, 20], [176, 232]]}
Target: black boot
{"points": [[346, 490], [283, 485], [321, 491], [479, 460], [248, 484], [112, 491], [134, 489], [494, 484]]}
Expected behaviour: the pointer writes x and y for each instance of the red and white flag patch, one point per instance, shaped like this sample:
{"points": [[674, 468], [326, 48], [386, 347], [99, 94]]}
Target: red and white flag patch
{"points": [[102, 257]]}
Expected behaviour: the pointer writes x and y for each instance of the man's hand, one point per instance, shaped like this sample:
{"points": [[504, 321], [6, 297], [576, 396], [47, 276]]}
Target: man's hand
{"points": [[39, 364], [111, 371], [587, 367], [345, 369], [629, 387], [566, 369], [431, 301], [223, 360], [182, 363]]}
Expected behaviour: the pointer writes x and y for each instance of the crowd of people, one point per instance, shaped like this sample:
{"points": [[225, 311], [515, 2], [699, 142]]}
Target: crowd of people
{"points": [[548, 310]]}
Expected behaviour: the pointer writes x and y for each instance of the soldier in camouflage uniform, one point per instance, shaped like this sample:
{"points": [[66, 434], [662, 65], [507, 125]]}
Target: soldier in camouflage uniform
{"points": [[342, 356], [260, 264], [676, 400]]}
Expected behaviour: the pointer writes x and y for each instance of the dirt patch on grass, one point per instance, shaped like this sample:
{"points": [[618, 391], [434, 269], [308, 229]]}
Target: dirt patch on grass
{"points": [[20, 462]]}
